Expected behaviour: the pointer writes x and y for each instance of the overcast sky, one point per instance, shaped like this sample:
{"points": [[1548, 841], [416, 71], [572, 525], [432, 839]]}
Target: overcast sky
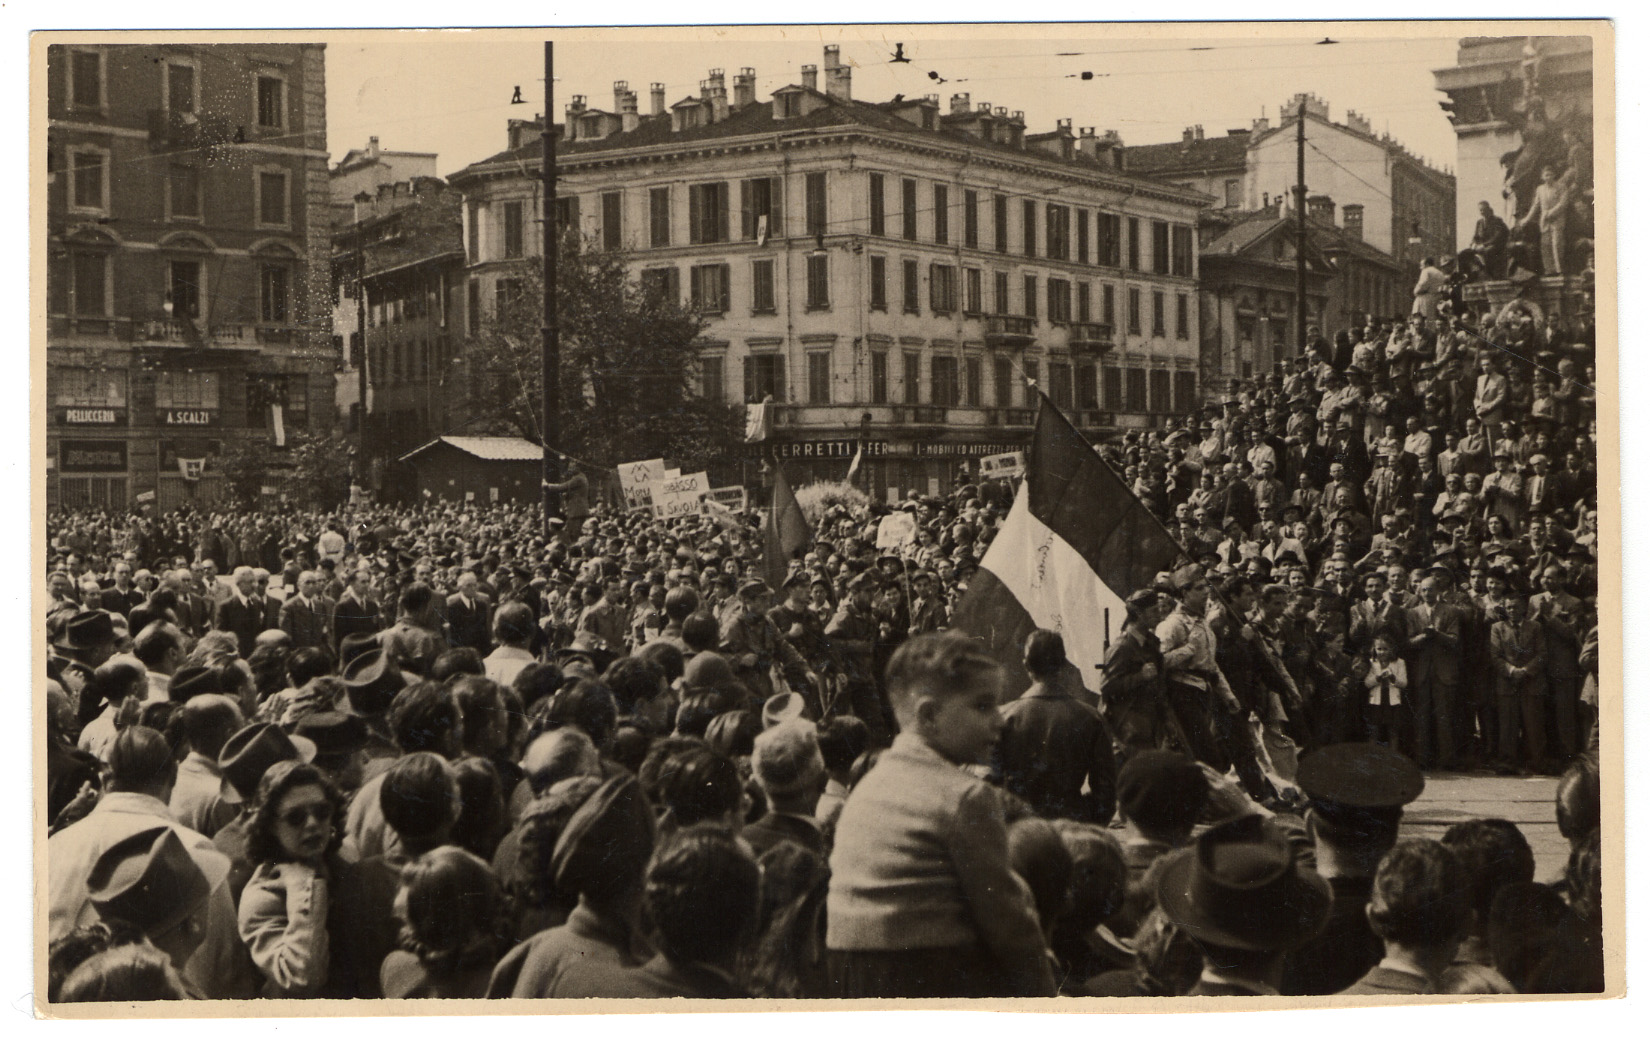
{"points": [[449, 92]]}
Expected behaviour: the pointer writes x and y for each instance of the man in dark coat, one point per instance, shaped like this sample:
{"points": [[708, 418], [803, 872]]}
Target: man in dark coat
{"points": [[356, 611], [469, 616], [242, 613], [1051, 742], [302, 616]]}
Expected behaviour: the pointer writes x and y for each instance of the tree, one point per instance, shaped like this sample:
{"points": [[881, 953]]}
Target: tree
{"points": [[628, 357], [312, 472]]}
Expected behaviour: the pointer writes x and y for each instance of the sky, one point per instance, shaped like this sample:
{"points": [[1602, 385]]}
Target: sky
{"points": [[450, 92]]}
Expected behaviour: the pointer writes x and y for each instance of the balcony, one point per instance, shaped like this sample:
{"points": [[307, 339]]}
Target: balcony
{"points": [[1008, 330], [173, 130], [180, 334], [1088, 337]]}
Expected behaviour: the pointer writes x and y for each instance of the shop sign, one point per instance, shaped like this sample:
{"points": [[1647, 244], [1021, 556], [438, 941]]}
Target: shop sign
{"points": [[92, 456], [187, 417], [91, 416], [966, 448], [841, 449]]}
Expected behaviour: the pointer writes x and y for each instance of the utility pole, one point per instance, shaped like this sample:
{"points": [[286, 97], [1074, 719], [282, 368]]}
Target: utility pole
{"points": [[1300, 228], [364, 459], [551, 376]]}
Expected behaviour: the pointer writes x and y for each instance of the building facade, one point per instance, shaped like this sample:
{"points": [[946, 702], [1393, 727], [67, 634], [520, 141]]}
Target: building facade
{"points": [[889, 274], [398, 277], [187, 203], [1394, 200], [1247, 290]]}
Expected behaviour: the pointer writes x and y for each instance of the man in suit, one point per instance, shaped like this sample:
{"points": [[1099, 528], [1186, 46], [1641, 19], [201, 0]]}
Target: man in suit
{"points": [[242, 613], [1435, 642], [469, 616], [1518, 656], [302, 616], [356, 612]]}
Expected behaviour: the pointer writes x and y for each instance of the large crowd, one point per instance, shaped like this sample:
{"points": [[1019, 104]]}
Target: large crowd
{"points": [[445, 751]]}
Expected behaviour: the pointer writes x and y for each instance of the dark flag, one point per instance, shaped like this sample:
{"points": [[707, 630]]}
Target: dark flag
{"points": [[785, 536], [1076, 543]]}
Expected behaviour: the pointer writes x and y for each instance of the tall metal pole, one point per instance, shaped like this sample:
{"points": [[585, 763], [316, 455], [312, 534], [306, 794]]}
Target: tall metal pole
{"points": [[364, 461], [1300, 228], [551, 377]]}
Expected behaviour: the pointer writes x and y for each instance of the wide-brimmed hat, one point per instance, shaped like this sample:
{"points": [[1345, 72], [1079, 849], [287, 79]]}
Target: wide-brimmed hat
{"points": [[333, 732], [371, 682], [248, 754], [87, 630], [1241, 886], [148, 880]]}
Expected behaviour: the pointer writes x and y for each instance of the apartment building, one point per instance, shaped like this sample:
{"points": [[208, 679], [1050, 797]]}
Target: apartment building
{"points": [[891, 274], [187, 223]]}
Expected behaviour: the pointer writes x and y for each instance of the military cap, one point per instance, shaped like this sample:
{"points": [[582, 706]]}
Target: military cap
{"points": [[754, 587], [1359, 775], [1185, 577]]}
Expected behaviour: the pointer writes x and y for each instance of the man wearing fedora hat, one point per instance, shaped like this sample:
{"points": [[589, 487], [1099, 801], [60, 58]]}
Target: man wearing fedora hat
{"points": [[141, 775], [86, 641], [149, 881], [1244, 898]]}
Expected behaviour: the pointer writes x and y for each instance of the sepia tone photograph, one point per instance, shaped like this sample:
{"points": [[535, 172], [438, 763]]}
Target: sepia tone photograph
{"points": [[1076, 518]]}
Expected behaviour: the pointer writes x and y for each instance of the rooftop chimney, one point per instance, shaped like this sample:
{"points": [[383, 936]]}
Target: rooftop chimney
{"points": [[372, 147], [629, 118], [575, 109], [838, 77], [833, 57], [1186, 136], [1111, 149], [718, 102], [810, 77], [1199, 129], [620, 88], [744, 89], [1260, 125], [1321, 207], [658, 92], [1088, 145]]}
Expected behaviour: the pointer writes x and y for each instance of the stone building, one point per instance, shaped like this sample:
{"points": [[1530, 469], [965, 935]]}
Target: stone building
{"points": [[1393, 199], [188, 222], [889, 273]]}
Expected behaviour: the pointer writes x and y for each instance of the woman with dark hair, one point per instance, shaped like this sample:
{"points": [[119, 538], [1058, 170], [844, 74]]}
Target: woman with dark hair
{"points": [[293, 840], [453, 909]]}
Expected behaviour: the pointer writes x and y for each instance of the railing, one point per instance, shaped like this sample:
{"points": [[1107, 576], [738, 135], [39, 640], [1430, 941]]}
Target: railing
{"points": [[928, 414], [1090, 337], [1008, 330]]}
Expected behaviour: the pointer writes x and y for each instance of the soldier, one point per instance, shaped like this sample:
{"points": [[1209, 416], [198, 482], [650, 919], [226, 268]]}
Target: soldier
{"points": [[753, 645], [1132, 690]]}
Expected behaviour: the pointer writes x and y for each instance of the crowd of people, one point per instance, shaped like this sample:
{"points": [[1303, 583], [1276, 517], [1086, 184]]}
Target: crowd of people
{"points": [[443, 752]]}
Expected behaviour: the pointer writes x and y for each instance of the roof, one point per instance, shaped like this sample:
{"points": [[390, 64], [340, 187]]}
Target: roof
{"points": [[1261, 224], [757, 118], [1187, 156], [488, 449]]}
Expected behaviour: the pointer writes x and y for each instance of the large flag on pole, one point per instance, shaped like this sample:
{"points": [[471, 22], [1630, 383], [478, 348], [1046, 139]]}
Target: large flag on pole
{"points": [[785, 536], [1076, 544]]}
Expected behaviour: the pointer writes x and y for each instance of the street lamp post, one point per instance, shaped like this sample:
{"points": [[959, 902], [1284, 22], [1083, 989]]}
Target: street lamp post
{"points": [[551, 376]]}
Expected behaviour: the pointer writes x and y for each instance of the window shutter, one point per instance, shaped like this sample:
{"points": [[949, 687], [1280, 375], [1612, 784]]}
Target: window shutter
{"points": [[776, 207], [695, 215], [722, 208], [779, 378], [750, 379], [722, 289], [747, 214]]}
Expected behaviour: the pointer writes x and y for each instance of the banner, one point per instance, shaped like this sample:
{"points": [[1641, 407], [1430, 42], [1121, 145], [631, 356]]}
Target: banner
{"points": [[278, 420], [634, 478], [896, 530], [191, 469], [998, 467], [678, 496], [759, 422], [730, 497]]}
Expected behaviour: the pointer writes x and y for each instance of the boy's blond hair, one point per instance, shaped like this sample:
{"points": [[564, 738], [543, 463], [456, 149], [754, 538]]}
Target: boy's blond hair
{"points": [[936, 664]]}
